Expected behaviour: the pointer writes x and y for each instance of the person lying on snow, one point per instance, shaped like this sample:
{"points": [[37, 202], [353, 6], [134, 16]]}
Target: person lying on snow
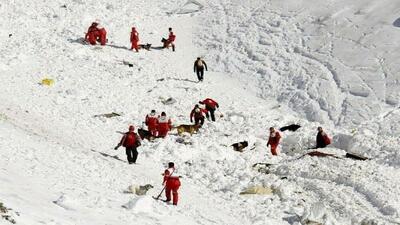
{"points": [[170, 41], [273, 141], [211, 106], [172, 183], [130, 141], [322, 139], [164, 125], [96, 34]]}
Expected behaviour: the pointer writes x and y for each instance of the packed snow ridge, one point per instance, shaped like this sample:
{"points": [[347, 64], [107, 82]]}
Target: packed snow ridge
{"points": [[271, 63]]}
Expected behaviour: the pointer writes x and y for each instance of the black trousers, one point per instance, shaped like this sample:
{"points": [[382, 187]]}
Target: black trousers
{"points": [[131, 154], [200, 73], [211, 111], [199, 120]]}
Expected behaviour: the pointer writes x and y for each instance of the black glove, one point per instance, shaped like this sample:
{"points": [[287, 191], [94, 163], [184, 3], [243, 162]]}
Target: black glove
{"points": [[116, 147]]}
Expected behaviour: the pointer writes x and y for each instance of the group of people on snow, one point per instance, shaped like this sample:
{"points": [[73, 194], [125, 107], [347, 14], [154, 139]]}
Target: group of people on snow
{"points": [[322, 139], [96, 34], [160, 125]]}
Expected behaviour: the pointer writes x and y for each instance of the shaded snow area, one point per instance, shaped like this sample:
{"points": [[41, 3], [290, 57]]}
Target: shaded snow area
{"points": [[274, 63]]}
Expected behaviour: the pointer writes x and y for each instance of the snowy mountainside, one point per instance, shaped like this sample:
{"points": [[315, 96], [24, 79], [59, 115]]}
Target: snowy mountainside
{"points": [[271, 63]]}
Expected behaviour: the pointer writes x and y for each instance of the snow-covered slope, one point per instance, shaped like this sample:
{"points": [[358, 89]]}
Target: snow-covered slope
{"points": [[272, 63]]}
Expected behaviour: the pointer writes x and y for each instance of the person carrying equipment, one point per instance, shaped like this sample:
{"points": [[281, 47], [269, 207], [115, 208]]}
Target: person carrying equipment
{"points": [[130, 141], [164, 125], [198, 114], [274, 138], [151, 122], [211, 106], [198, 68], [172, 183]]}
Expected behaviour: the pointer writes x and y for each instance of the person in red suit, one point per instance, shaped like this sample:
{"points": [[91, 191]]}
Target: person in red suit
{"points": [[273, 141], [164, 125], [170, 40], [198, 114], [96, 33], [211, 106], [135, 39], [172, 183], [151, 121], [92, 34], [130, 141]]}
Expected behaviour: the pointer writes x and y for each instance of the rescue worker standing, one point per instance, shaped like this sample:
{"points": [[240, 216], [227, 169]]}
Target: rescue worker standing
{"points": [[322, 139], [211, 106], [151, 122], [130, 141], [198, 115], [274, 138], [164, 125], [135, 39], [198, 68], [172, 183]]}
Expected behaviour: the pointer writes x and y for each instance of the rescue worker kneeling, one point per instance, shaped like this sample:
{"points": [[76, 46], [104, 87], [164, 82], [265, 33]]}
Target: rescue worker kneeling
{"points": [[96, 34]]}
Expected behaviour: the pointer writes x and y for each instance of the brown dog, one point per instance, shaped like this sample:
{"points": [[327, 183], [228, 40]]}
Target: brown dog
{"points": [[191, 129]]}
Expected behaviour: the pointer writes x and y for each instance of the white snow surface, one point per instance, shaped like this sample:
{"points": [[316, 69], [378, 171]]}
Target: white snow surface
{"points": [[330, 63]]}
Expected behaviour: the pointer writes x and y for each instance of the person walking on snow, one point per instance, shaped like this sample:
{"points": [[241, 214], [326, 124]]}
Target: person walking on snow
{"points": [[322, 139], [135, 39], [198, 68], [172, 183], [130, 141], [170, 40], [274, 138], [164, 125], [211, 106], [198, 114], [151, 122]]}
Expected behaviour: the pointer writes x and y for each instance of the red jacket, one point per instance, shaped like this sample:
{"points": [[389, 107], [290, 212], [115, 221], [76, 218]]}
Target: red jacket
{"points": [[170, 175], [151, 122], [171, 37], [210, 103], [134, 36], [130, 139], [164, 124], [92, 34], [274, 138], [197, 114]]}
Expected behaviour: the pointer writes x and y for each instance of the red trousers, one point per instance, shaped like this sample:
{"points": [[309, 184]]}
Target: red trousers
{"points": [[172, 185], [162, 133], [153, 131], [135, 45], [103, 36], [91, 37], [274, 149]]}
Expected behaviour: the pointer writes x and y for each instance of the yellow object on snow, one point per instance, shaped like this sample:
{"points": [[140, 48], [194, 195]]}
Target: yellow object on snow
{"points": [[47, 82]]}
